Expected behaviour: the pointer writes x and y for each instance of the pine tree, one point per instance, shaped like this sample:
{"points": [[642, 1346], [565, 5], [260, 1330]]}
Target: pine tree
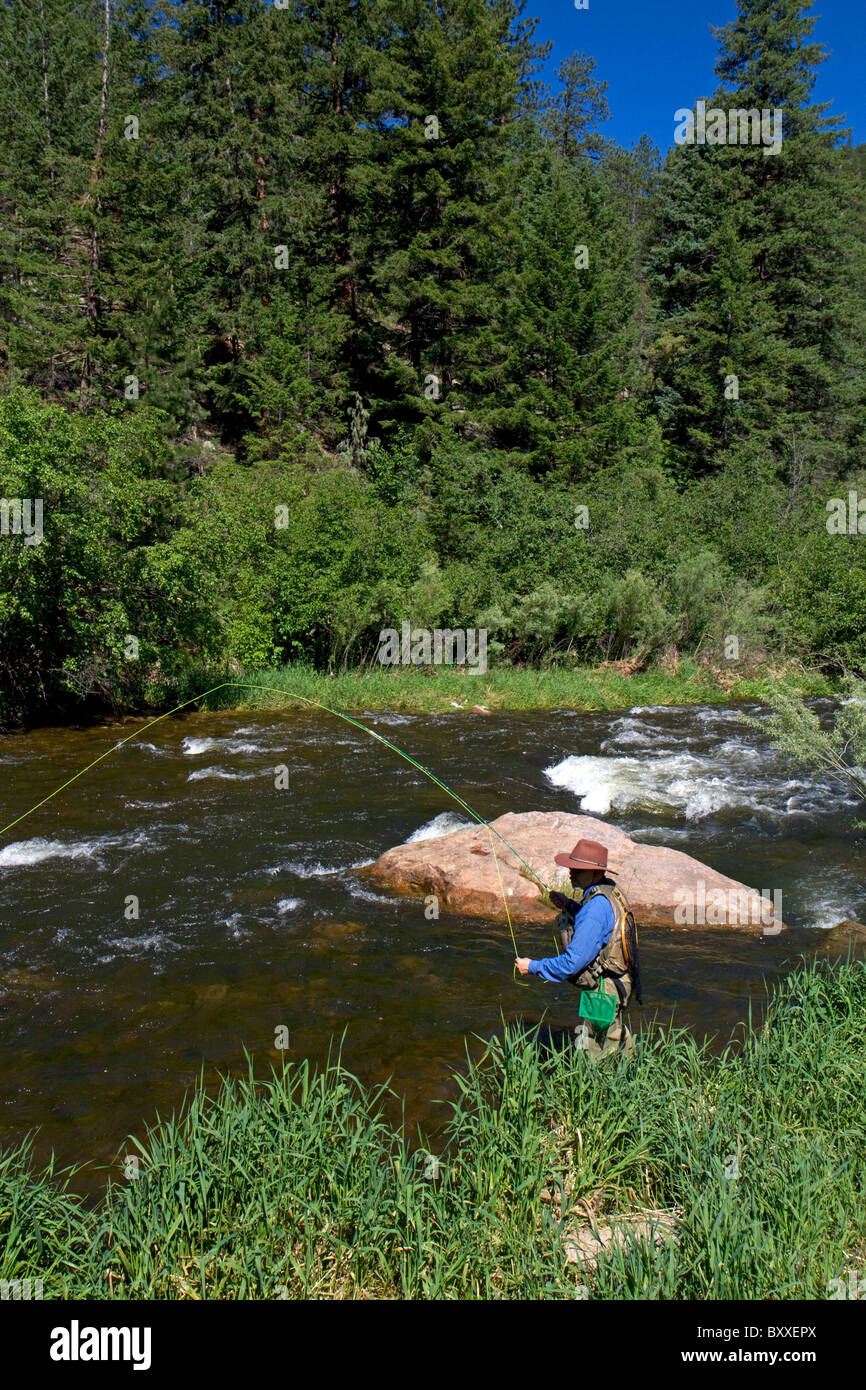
{"points": [[49, 97], [567, 317], [572, 117], [751, 263], [444, 228]]}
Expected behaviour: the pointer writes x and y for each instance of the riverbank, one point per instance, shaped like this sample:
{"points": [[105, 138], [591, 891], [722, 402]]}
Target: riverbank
{"points": [[435, 690], [727, 1177], [442, 689]]}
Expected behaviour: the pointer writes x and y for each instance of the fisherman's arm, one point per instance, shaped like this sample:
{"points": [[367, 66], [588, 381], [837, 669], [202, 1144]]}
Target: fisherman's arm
{"points": [[592, 929]]}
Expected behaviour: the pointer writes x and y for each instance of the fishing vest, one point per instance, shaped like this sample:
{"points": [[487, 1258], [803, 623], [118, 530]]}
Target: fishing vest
{"points": [[612, 959]]}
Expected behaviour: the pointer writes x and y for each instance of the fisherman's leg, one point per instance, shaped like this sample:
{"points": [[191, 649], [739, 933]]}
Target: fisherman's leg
{"points": [[626, 1037], [618, 1036], [615, 1037], [594, 1041], [586, 1039]]}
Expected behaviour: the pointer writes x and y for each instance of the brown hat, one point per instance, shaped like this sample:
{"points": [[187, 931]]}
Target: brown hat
{"points": [[587, 854]]}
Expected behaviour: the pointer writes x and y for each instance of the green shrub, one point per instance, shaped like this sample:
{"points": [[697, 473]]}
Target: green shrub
{"points": [[298, 1187]]}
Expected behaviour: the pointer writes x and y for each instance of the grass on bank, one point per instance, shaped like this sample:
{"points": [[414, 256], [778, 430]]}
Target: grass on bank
{"points": [[436, 689], [298, 1188]]}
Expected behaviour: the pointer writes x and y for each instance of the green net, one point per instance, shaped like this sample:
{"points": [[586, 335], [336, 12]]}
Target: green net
{"points": [[597, 1006]]}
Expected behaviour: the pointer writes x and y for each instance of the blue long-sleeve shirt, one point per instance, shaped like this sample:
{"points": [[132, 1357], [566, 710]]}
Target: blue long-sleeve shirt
{"points": [[592, 928]]}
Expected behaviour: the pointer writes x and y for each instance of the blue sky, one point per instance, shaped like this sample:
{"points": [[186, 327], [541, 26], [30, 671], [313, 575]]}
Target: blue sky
{"points": [[658, 55]]}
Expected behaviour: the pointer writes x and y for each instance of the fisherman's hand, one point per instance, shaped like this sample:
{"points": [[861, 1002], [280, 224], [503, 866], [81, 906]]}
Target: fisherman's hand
{"points": [[522, 963], [559, 900]]}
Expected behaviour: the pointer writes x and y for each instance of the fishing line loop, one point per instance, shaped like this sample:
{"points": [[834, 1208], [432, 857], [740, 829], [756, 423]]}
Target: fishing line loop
{"points": [[291, 695]]}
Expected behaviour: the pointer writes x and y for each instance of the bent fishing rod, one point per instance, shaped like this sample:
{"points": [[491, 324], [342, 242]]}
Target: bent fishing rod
{"points": [[339, 714]]}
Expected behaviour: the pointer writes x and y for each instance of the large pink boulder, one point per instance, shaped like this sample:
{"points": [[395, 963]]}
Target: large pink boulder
{"points": [[665, 887]]}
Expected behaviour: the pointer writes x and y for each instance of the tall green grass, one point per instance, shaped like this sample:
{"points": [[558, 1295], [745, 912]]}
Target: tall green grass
{"points": [[297, 1187], [433, 690]]}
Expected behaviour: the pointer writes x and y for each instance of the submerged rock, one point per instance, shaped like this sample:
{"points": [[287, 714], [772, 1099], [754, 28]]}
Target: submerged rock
{"points": [[848, 930], [469, 870]]}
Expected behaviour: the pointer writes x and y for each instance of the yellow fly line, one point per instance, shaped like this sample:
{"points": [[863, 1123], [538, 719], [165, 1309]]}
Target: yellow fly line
{"points": [[291, 695]]}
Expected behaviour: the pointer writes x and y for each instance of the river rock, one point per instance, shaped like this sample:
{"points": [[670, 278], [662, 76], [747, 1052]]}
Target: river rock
{"points": [[847, 930], [665, 887], [584, 1245]]}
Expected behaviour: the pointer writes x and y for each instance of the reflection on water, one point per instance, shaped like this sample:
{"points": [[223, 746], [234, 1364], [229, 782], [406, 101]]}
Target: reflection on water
{"points": [[175, 907]]}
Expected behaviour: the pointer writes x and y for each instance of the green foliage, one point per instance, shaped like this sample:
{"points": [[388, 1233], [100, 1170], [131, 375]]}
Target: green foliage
{"points": [[107, 567], [840, 750], [751, 266], [43, 1227], [634, 617], [236, 566], [745, 1164], [339, 260]]}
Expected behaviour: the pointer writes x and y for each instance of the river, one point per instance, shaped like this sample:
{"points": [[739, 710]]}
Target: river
{"points": [[253, 912]]}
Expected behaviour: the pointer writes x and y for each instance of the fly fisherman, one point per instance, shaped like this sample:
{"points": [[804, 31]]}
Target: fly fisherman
{"points": [[599, 941]]}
